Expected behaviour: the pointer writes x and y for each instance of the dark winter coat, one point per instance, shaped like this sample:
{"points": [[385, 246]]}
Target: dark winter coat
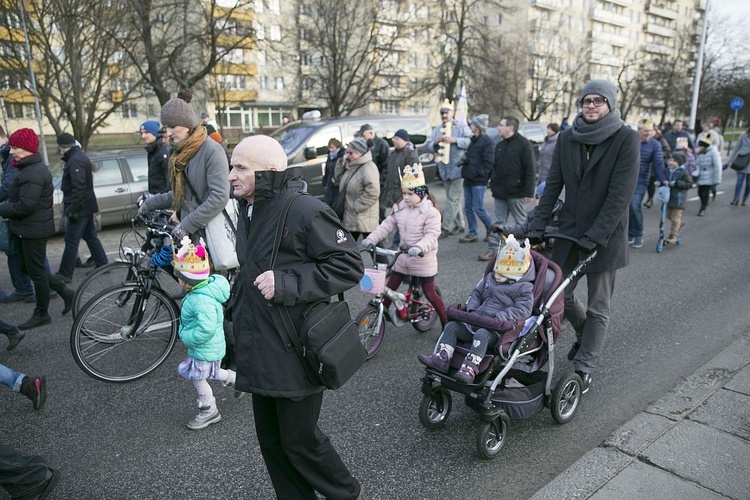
{"points": [[671, 138], [317, 258], [599, 186], [478, 160], [380, 151], [78, 184], [397, 160], [330, 187], [503, 301], [679, 183], [9, 171], [158, 167], [652, 162], [513, 169], [29, 203]]}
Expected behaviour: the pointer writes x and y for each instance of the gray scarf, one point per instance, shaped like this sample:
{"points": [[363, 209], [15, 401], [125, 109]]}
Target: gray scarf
{"points": [[598, 132]]}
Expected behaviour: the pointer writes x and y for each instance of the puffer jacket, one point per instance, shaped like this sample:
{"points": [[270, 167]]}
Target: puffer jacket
{"points": [[419, 226], [652, 162], [545, 156], [29, 203], [362, 182], [679, 183], [158, 167], [202, 319], [504, 301], [317, 258], [397, 160], [478, 161], [208, 171], [78, 184], [709, 167]]}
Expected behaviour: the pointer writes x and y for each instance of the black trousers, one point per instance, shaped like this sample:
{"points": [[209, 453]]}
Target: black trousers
{"points": [[33, 256], [299, 457]]}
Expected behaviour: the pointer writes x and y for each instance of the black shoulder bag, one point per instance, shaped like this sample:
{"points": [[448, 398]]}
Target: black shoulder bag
{"points": [[328, 345]]}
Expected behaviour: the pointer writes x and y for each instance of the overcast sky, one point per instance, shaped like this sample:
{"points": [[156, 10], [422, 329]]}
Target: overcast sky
{"points": [[732, 7]]}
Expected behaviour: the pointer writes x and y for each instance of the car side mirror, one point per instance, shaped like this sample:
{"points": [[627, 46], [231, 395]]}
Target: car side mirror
{"points": [[311, 153]]}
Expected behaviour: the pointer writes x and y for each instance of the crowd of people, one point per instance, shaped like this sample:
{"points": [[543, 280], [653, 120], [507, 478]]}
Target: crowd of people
{"points": [[596, 158]]}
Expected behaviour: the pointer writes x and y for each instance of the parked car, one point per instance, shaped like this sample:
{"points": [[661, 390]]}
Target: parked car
{"points": [[119, 179], [306, 141]]}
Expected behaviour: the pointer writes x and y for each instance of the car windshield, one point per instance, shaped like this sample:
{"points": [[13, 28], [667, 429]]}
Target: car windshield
{"points": [[294, 135]]}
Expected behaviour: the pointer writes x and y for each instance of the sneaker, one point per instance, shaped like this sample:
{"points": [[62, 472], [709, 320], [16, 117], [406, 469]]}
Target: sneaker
{"points": [[207, 415], [29, 298], [440, 360], [638, 243], [585, 381], [489, 255], [43, 490], [468, 239], [631, 240], [231, 378], [14, 338], [35, 321], [573, 351], [444, 234], [467, 373], [35, 388], [63, 278]]}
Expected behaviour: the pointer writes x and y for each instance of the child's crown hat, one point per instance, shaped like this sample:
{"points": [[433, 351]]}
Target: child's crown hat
{"points": [[191, 261], [412, 177], [513, 259], [447, 105]]}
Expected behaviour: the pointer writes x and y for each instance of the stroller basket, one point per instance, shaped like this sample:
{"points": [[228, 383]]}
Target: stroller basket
{"points": [[521, 401]]}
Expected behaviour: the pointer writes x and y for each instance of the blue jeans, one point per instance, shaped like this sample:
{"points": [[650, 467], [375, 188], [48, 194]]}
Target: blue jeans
{"points": [[474, 207], [21, 282], [635, 229], [21, 474], [10, 378], [742, 178], [82, 228]]}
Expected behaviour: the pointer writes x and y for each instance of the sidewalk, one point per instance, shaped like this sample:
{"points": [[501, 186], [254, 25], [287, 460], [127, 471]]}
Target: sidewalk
{"points": [[694, 443]]}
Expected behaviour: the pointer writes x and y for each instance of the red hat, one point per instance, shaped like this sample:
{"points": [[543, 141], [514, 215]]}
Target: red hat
{"points": [[26, 139]]}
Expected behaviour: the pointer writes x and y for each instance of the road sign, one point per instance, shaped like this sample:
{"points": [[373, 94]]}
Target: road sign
{"points": [[737, 103]]}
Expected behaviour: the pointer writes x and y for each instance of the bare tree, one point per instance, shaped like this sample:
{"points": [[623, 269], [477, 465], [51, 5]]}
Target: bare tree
{"points": [[78, 71], [630, 83]]}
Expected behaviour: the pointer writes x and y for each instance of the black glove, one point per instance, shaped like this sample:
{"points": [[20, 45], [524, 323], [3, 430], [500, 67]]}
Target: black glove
{"points": [[535, 236], [73, 218], [496, 228], [586, 245]]}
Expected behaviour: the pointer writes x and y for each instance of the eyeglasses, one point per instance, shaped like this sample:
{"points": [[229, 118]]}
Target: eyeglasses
{"points": [[596, 101], [349, 152]]}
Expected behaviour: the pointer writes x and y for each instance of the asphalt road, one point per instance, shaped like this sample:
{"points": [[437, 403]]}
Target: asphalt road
{"points": [[673, 312]]}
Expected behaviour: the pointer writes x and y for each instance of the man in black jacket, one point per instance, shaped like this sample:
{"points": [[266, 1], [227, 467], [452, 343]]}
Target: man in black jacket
{"points": [[158, 157], [79, 207], [379, 148], [317, 258], [29, 210], [596, 162], [512, 181]]}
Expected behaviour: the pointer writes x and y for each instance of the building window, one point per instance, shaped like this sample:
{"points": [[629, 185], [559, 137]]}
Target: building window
{"points": [[279, 84], [260, 31], [274, 6], [263, 83], [270, 117], [389, 107], [261, 57], [129, 111], [500, 19], [153, 110], [258, 5], [276, 33], [235, 56], [16, 110]]}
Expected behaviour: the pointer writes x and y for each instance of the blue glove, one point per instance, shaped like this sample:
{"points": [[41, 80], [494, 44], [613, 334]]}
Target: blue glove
{"points": [[368, 243], [415, 251]]}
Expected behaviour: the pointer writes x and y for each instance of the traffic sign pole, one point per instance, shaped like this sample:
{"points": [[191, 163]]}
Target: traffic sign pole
{"points": [[736, 104]]}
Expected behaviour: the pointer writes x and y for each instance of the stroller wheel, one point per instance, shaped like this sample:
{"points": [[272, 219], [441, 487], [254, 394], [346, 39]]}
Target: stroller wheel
{"points": [[492, 436], [435, 408], [565, 398]]}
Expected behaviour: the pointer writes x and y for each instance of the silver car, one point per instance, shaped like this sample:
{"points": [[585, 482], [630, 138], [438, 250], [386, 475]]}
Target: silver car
{"points": [[119, 179]]}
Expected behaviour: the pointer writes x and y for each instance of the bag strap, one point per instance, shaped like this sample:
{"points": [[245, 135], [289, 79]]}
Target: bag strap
{"points": [[198, 199]]}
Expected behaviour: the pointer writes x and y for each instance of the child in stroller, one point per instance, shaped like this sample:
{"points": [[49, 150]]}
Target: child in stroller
{"points": [[506, 294], [510, 381]]}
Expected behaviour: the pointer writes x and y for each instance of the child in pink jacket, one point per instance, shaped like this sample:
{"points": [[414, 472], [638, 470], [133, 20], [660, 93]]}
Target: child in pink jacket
{"points": [[418, 220]]}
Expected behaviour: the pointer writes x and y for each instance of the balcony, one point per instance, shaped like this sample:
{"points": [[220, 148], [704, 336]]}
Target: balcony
{"points": [[655, 48], [655, 29], [660, 9], [547, 4], [624, 3], [235, 69], [608, 17], [618, 40], [15, 96], [606, 60], [240, 95]]}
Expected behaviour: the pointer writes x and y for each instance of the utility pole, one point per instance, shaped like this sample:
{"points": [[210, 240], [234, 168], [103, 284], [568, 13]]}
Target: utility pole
{"points": [[37, 109], [699, 70]]}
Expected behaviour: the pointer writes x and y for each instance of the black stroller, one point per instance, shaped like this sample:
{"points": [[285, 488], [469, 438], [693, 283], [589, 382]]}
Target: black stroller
{"points": [[511, 383]]}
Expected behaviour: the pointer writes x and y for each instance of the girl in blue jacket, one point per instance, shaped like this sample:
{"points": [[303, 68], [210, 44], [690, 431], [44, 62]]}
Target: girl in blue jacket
{"points": [[201, 328]]}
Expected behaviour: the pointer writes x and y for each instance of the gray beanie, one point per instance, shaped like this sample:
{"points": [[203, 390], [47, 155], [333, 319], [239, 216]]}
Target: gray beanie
{"points": [[179, 112], [602, 88], [359, 145], [481, 122]]}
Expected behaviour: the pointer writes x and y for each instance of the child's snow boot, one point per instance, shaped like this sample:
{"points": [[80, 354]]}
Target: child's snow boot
{"points": [[469, 369], [208, 414], [440, 360]]}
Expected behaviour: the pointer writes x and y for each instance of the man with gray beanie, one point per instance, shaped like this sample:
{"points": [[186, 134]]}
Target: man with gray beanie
{"points": [[596, 162], [316, 258]]}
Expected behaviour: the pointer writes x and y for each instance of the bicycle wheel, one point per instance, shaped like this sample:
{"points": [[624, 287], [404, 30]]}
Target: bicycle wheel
{"points": [[428, 318], [121, 336], [115, 273], [369, 334]]}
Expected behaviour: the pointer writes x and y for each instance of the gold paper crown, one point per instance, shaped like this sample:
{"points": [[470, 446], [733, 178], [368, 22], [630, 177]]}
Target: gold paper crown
{"points": [[513, 260], [706, 138], [446, 105], [646, 124], [192, 261], [412, 177], [681, 143]]}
